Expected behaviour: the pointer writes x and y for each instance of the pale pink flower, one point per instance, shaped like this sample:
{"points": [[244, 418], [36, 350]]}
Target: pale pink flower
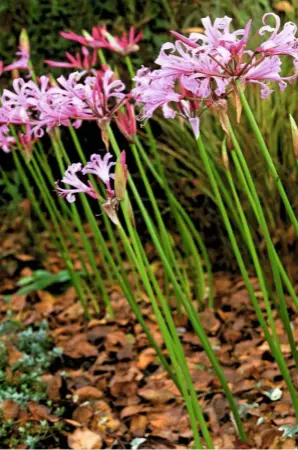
{"points": [[101, 167], [71, 178], [268, 70], [282, 42], [154, 92], [21, 64], [218, 38]]}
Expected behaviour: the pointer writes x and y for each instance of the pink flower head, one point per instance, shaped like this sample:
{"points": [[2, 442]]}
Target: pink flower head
{"points": [[101, 38], [83, 61], [71, 36], [96, 40], [282, 42], [71, 178], [200, 71], [101, 167], [267, 70], [6, 141], [154, 92], [21, 64], [126, 121], [218, 39], [125, 44]]}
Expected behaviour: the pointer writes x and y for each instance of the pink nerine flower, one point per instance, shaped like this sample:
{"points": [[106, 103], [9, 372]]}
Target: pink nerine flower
{"points": [[83, 61], [126, 44], [22, 63], [280, 42], [267, 70], [101, 167], [200, 71], [23, 54], [71, 101], [101, 38], [96, 40], [71, 178]]}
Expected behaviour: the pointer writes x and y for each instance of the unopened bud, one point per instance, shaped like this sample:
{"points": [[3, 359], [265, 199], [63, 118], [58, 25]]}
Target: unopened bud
{"points": [[225, 156], [121, 177], [294, 129], [24, 41]]}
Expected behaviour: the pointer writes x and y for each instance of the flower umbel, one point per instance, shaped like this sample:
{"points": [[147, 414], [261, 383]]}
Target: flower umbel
{"points": [[201, 70], [101, 168]]}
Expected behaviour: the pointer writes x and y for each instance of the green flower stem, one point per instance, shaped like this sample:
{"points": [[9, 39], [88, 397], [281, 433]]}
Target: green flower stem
{"points": [[197, 261], [188, 222], [279, 358], [129, 66], [181, 370], [257, 266], [257, 211], [164, 237], [76, 280], [37, 176], [189, 307], [89, 214], [273, 257], [196, 264], [86, 243], [40, 161], [262, 145], [145, 269], [32, 197]]}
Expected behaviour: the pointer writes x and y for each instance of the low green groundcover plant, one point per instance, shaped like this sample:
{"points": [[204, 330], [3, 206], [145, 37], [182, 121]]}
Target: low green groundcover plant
{"points": [[21, 384]]}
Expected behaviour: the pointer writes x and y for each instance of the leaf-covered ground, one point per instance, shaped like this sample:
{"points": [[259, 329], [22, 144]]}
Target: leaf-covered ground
{"points": [[98, 384]]}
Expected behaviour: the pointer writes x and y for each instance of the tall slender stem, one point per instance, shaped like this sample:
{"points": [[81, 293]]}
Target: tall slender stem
{"points": [[267, 156]]}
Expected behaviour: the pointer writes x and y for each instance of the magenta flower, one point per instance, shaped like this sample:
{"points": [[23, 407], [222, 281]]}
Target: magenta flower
{"points": [[83, 61], [71, 178], [101, 38], [126, 121], [6, 141], [96, 40], [279, 43], [21, 64], [71, 36], [101, 167], [126, 44]]}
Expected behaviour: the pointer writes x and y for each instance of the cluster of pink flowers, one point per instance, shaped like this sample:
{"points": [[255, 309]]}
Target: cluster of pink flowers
{"points": [[200, 71], [101, 38], [100, 167], [42, 106]]}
